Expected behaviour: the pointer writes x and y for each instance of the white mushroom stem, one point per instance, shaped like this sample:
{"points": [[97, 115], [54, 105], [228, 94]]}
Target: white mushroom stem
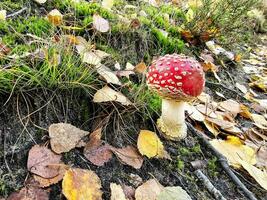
{"points": [[172, 120]]}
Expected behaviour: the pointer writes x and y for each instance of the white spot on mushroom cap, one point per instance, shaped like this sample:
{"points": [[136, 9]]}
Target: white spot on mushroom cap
{"points": [[163, 82], [176, 68], [177, 77], [179, 84], [166, 74], [155, 75], [184, 73]]}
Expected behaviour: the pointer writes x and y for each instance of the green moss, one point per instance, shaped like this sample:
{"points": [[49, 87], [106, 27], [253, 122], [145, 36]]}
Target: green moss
{"points": [[184, 151], [145, 21], [150, 10], [212, 166], [180, 165], [87, 21], [161, 22], [196, 149]]}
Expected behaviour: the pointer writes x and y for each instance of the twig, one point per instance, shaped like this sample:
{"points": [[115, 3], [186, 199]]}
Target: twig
{"points": [[224, 164], [202, 177], [16, 13]]}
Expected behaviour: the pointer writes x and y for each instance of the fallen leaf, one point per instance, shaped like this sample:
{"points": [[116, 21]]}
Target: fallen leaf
{"points": [[242, 88], [223, 124], [211, 127], [4, 50], [108, 75], [100, 24], [81, 184], [234, 150], [140, 68], [245, 111], [231, 106], [107, 4], [205, 110], [129, 192], [93, 57], [2, 15], [173, 193], [148, 190], [194, 113], [259, 120], [259, 175], [43, 162], [107, 94], [116, 192], [129, 155], [149, 144], [64, 137], [30, 193], [45, 182], [55, 17]]}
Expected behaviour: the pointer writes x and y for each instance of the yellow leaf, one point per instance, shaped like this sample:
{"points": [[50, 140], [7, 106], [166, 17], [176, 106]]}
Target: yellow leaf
{"points": [[235, 151], [195, 3], [259, 175], [211, 127], [189, 15], [55, 17], [81, 184], [140, 68], [149, 144], [3, 15], [245, 111]]}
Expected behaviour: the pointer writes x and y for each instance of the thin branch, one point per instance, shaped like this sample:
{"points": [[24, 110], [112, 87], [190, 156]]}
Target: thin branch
{"points": [[224, 164], [16, 13], [210, 187]]}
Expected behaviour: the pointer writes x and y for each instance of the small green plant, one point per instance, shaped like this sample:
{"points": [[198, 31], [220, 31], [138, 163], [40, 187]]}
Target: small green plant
{"points": [[180, 165], [212, 166]]}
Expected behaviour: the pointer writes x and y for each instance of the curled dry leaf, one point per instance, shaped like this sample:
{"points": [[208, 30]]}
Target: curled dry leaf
{"points": [[223, 124], [242, 88], [92, 57], [30, 193], [107, 94], [149, 144], [55, 17], [64, 137], [212, 127], [43, 162], [173, 193], [108, 75], [245, 111], [148, 190], [205, 110], [81, 184], [116, 192], [129, 155], [95, 152], [234, 150], [100, 24], [45, 182]]}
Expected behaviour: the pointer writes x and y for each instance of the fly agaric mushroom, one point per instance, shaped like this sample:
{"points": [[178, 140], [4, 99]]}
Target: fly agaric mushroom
{"points": [[177, 79]]}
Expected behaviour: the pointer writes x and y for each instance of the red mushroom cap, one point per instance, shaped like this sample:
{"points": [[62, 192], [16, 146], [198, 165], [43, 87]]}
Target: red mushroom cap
{"points": [[176, 77]]}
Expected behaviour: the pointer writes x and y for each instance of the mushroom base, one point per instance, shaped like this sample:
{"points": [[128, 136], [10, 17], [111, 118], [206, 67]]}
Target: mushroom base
{"points": [[172, 131]]}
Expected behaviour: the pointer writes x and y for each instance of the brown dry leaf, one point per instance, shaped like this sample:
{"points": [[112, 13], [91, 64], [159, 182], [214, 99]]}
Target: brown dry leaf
{"points": [[231, 106], [30, 193], [108, 75], [100, 24], [259, 175], [45, 182], [173, 193], [234, 150], [116, 192], [205, 110], [81, 184], [148, 190], [194, 113], [223, 124], [55, 17], [43, 162], [149, 144], [140, 68], [95, 152], [107, 94], [211, 127], [64, 137], [4, 50], [259, 120], [130, 156]]}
